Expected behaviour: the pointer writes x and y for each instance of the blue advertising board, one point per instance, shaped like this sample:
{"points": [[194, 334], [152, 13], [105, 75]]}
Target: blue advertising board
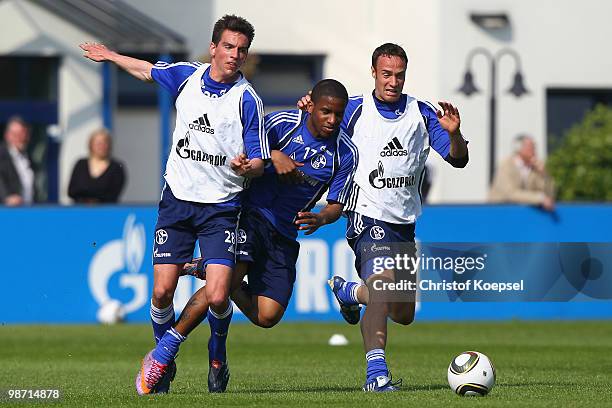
{"points": [[60, 264]]}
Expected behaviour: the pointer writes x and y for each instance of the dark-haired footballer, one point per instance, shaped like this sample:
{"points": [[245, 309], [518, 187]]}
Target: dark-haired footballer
{"points": [[217, 143], [310, 155], [394, 133]]}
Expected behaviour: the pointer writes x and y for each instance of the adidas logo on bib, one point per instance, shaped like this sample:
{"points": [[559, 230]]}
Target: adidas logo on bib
{"points": [[394, 148], [202, 124]]}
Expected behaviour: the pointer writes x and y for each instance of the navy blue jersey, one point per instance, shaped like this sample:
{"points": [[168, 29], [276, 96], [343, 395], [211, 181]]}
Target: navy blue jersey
{"points": [[328, 164], [173, 77], [439, 139]]}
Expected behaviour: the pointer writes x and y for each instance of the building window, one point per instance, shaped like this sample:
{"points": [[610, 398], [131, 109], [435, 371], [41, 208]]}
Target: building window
{"points": [[566, 107], [28, 78], [280, 80], [29, 89]]}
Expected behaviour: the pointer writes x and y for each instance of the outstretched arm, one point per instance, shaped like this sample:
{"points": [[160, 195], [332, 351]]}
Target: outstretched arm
{"points": [[137, 68]]}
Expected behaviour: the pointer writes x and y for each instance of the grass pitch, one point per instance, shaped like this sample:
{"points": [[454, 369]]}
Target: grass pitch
{"points": [[539, 364]]}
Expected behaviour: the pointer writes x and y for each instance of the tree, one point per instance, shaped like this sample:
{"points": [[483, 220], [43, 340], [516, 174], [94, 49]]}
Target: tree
{"points": [[582, 164]]}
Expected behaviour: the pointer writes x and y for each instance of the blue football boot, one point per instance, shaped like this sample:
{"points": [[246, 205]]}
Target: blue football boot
{"points": [[350, 313], [218, 376], [382, 383]]}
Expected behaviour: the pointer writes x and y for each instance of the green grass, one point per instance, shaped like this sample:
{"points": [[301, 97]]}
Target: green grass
{"points": [[543, 364]]}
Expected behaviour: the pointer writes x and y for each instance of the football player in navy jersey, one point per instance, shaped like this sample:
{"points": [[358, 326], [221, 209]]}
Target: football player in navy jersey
{"points": [[218, 141], [310, 155], [393, 132], [326, 160]]}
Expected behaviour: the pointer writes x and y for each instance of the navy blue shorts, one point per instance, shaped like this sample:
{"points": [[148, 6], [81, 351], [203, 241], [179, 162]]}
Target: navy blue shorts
{"points": [[271, 257], [180, 223], [370, 238]]}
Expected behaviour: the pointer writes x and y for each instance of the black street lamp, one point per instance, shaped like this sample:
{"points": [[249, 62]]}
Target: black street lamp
{"points": [[517, 89]]}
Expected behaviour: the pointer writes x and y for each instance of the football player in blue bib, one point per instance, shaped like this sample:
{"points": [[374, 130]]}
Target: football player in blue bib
{"points": [[310, 155], [218, 142]]}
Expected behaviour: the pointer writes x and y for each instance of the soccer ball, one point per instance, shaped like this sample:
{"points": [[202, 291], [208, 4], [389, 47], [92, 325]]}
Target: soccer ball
{"points": [[471, 373], [111, 312]]}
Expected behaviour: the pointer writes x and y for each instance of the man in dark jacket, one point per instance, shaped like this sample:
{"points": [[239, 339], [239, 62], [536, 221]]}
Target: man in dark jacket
{"points": [[16, 172]]}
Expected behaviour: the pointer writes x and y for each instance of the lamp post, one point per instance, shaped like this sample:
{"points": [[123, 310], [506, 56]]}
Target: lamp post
{"points": [[517, 89]]}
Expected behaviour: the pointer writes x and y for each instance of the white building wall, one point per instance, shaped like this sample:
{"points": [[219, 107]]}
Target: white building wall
{"points": [[137, 145], [346, 32], [561, 44], [192, 19]]}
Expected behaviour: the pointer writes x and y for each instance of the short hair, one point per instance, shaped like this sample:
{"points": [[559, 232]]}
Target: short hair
{"points": [[232, 23], [389, 49], [105, 133], [519, 139], [329, 87], [19, 120]]}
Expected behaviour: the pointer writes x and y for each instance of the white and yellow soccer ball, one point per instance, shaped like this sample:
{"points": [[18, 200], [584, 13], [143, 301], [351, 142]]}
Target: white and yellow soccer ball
{"points": [[471, 373]]}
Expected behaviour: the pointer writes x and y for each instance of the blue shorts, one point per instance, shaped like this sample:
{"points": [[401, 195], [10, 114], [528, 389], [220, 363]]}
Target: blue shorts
{"points": [[180, 223], [370, 238], [271, 257]]}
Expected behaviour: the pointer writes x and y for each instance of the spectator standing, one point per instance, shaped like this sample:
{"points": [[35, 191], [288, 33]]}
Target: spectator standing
{"points": [[98, 178]]}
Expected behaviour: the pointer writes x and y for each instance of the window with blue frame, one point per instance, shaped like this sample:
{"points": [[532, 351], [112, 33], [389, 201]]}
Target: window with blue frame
{"points": [[566, 107], [29, 89], [281, 79]]}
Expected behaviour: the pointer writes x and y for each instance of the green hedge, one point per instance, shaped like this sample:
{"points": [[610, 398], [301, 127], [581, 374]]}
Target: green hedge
{"points": [[582, 163]]}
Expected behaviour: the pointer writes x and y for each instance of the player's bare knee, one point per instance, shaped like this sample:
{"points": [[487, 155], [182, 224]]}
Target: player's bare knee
{"points": [[217, 296], [269, 318], [162, 294], [404, 317], [267, 322], [217, 300], [377, 288], [404, 320]]}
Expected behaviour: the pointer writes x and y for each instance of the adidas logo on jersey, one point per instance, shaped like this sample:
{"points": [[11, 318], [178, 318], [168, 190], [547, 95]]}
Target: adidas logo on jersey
{"points": [[394, 148], [202, 124], [298, 139]]}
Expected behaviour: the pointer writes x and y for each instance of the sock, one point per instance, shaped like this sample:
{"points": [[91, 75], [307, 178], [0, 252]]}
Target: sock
{"points": [[219, 326], [162, 320], [377, 365], [348, 293], [168, 347]]}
